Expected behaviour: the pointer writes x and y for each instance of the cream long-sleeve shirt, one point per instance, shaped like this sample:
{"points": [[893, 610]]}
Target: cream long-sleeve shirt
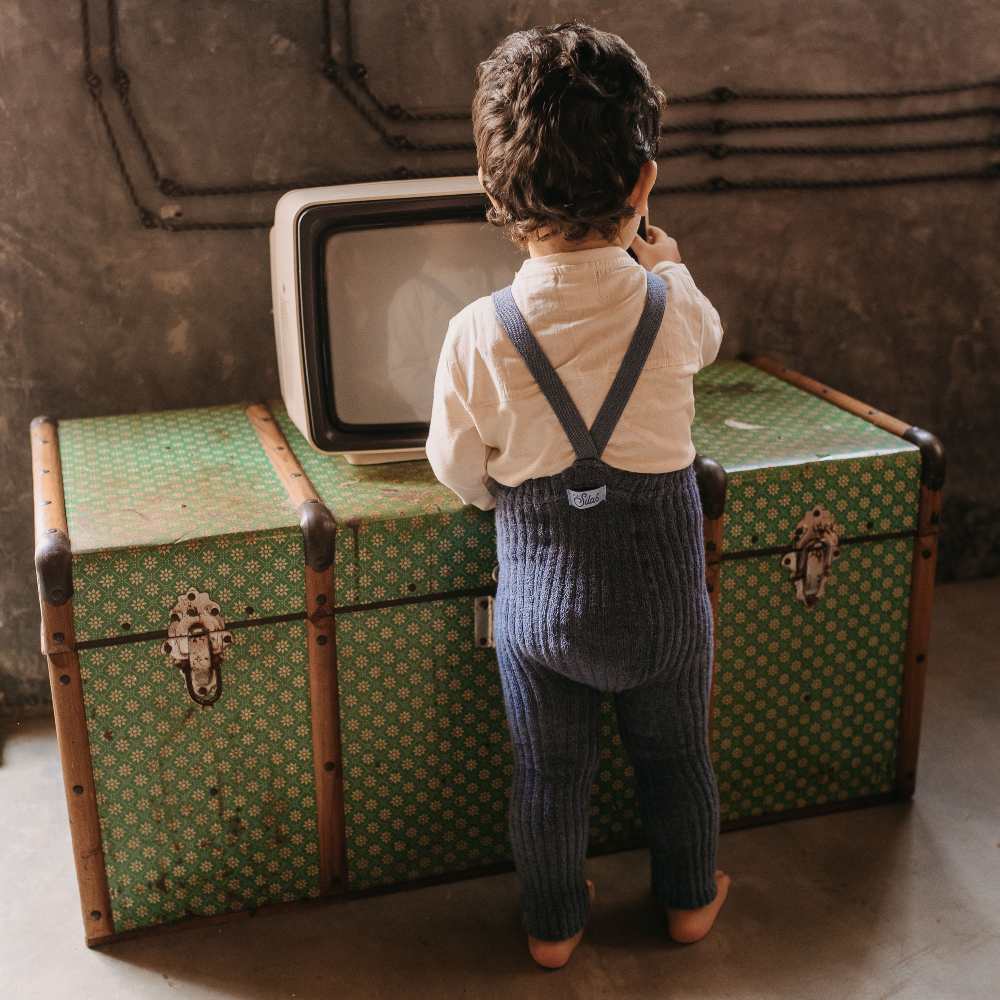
{"points": [[488, 416]]}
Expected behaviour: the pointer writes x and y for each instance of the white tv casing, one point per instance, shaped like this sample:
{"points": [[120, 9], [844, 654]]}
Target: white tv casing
{"points": [[286, 298]]}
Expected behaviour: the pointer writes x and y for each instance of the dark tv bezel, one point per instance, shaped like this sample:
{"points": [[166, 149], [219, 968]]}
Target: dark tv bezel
{"points": [[316, 224]]}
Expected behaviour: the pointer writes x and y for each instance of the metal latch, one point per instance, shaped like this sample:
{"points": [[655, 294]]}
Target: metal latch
{"points": [[483, 615], [484, 620], [815, 546], [197, 643]]}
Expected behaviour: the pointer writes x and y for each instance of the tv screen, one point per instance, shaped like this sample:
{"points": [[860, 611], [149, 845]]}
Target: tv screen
{"points": [[393, 291], [364, 278]]}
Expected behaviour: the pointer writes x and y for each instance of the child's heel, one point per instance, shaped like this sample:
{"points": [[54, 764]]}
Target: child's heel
{"points": [[689, 926]]}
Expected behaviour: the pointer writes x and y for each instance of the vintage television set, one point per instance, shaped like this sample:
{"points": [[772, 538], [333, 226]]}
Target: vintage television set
{"points": [[364, 280]]}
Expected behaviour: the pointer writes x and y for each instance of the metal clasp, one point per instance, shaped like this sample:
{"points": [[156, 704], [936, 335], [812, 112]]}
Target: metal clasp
{"points": [[483, 625], [816, 542], [483, 614], [197, 643]]}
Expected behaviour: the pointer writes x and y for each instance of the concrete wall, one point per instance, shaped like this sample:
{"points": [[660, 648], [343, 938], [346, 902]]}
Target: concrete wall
{"points": [[890, 294]]}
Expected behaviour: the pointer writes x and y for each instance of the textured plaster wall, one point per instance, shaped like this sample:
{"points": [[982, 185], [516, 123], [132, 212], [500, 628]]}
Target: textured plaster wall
{"points": [[890, 294]]}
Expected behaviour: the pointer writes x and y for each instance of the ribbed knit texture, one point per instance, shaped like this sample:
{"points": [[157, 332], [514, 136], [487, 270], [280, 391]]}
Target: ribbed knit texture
{"points": [[610, 598]]}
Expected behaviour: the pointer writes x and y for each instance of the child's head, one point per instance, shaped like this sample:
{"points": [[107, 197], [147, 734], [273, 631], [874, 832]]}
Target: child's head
{"points": [[564, 119]]}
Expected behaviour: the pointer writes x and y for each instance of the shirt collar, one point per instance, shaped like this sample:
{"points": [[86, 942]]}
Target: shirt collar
{"points": [[611, 255]]}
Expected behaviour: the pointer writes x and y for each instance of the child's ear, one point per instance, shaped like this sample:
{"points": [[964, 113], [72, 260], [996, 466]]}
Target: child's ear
{"points": [[483, 186], [639, 198]]}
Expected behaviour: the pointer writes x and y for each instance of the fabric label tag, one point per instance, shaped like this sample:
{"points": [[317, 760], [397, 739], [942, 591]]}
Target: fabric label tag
{"points": [[581, 499]]}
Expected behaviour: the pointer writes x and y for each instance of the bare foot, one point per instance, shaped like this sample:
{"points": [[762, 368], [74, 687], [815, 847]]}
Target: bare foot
{"points": [[555, 954], [688, 926]]}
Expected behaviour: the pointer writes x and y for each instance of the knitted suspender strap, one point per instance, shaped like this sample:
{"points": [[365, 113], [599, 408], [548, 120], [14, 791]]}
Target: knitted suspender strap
{"points": [[586, 444], [543, 372], [632, 364]]}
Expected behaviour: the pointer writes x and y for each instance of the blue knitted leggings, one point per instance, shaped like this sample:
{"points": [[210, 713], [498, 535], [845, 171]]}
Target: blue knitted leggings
{"points": [[606, 599]]}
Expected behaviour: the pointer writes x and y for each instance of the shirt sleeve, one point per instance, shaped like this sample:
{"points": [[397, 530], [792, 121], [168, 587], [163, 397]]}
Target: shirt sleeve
{"points": [[455, 450], [711, 324], [711, 333]]}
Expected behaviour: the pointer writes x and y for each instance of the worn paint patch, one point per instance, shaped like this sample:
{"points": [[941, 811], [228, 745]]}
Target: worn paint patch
{"points": [[155, 478], [280, 45], [792, 426], [177, 339], [741, 425]]}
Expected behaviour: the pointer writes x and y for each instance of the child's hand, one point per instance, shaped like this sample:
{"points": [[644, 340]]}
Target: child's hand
{"points": [[656, 247]]}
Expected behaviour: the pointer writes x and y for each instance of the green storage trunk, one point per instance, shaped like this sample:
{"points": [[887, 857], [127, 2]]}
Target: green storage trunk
{"points": [[273, 675]]}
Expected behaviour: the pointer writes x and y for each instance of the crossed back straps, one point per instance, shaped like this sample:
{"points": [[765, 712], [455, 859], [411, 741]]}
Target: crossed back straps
{"points": [[586, 444]]}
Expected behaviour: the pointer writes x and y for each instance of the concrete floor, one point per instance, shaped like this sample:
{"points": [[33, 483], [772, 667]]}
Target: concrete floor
{"points": [[898, 901]]}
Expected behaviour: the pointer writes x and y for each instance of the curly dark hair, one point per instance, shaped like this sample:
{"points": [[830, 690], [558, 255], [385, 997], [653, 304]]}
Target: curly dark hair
{"points": [[563, 118]]}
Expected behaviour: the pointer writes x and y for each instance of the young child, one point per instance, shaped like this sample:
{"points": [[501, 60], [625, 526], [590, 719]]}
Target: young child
{"points": [[601, 584]]}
